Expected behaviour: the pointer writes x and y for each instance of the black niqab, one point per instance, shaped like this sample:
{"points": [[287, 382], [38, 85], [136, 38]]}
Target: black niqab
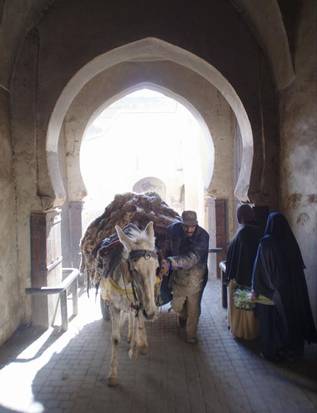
{"points": [[279, 267], [278, 228], [241, 254]]}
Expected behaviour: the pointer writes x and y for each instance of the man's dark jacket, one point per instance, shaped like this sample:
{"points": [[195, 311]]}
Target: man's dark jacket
{"points": [[184, 252]]}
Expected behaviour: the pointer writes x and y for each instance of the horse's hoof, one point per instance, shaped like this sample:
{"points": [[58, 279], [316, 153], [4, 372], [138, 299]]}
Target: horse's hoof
{"points": [[143, 350], [112, 381], [133, 353]]}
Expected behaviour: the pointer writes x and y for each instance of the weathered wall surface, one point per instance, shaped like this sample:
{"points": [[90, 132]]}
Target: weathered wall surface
{"points": [[16, 18], [298, 110], [24, 140], [10, 310]]}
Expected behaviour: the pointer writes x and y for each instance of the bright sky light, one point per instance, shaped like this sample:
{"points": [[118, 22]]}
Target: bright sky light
{"points": [[144, 134]]}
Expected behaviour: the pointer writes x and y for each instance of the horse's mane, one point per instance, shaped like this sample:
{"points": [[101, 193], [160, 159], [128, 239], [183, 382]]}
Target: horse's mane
{"points": [[140, 238], [135, 233]]}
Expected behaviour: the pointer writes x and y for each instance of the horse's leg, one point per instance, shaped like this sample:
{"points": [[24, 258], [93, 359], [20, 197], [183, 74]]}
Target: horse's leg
{"points": [[115, 318], [123, 319], [139, 340], [130, 326], [142, 338], [133, 351]]}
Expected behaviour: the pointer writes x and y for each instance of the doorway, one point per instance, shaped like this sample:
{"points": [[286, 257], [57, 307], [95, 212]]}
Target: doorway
{"points": [[150, 138]]}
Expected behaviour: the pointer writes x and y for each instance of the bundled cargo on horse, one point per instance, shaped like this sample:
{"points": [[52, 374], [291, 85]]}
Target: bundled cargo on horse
{"points": [[126, 263], [100, 247]]}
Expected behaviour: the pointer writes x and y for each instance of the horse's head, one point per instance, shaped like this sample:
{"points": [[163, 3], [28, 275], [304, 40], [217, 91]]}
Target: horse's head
{"points": [[139, 250]]}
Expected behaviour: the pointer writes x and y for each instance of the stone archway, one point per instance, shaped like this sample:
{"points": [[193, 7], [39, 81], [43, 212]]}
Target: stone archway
{"points": [[82, 116], [148, 49]]}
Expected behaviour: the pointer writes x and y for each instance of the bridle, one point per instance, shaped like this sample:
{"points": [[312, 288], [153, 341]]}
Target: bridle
{"points": [[135, 255]]}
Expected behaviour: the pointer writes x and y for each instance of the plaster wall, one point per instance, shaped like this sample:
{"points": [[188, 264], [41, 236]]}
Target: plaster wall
{"points": [[266, 22], [24, 139], [298, 109], [10, 309], [17, 18]]}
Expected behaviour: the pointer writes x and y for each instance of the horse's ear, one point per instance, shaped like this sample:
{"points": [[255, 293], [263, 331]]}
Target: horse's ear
{"points": [[123, 238], [149, 230]]}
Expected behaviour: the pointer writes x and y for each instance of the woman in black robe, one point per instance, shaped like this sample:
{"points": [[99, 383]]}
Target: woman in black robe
{"points": [[243, 247], [278, 279], [239, 263]]}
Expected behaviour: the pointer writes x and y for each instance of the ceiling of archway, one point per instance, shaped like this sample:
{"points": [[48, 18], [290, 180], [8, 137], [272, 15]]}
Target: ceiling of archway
{"points": [[264, 19]]}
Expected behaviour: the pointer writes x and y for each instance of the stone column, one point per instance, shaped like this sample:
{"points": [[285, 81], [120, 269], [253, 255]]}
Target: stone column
{"points": [[46, 263], [75, 228], [210, 225], [221, 214]]}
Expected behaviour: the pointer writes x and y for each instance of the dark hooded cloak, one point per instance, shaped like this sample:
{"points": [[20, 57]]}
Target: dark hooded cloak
{"points": [[241, 254], [279, 275]]}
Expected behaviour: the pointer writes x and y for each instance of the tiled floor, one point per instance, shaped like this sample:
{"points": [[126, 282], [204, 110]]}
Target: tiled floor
{"points": [[56, 372]]}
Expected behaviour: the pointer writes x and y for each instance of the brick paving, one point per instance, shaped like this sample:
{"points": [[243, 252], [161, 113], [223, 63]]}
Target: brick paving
{"points": [[54, 372]]}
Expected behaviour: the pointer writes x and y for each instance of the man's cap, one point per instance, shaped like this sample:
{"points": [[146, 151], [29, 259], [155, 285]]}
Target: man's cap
{"points": [[189, 218]]}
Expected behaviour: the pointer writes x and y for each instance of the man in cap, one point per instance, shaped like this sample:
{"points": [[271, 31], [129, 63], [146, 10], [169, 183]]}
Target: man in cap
{"points": [[187, 262]]}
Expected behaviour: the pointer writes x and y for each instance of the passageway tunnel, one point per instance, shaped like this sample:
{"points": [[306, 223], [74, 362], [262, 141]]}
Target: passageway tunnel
{"points": [[246, 73]]}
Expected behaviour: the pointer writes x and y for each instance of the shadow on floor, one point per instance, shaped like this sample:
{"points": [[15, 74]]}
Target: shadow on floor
{"points": [[24, 337], [220, 374], [302, 371]]}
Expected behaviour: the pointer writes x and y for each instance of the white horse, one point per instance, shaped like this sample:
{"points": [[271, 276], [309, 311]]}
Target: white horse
{"points": [[130, 290]]}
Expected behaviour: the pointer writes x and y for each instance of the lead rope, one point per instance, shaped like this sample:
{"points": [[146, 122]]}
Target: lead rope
{"points": [[134, 306]]}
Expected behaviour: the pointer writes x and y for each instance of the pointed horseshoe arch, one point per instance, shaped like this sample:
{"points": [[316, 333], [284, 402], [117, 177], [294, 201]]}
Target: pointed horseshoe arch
{"points": [[205, 135], [148, 49]]}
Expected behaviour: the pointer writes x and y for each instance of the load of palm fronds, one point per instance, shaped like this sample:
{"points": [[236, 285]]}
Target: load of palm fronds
{"points": [[128, 208]]}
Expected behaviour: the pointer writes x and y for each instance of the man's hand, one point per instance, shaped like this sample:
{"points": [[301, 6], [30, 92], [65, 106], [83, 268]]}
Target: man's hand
{"points": [[165, 267]]}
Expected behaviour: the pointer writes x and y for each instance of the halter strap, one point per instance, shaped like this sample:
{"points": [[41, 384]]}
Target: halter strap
{"points": [[134, 255], [146, 254]]}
